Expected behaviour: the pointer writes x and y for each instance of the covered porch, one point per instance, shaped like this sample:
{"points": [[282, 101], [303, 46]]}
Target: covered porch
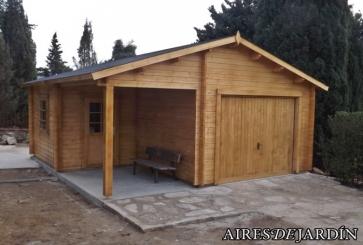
{"points": [[135, 118], [125, 184]]}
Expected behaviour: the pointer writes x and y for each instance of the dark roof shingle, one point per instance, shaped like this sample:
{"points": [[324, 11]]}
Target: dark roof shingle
{"points": [[110, 64]]}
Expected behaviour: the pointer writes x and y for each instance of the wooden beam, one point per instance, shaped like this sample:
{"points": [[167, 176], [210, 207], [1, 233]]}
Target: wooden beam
{"points": [[139, 70], [61, 80], [233, 45], [102, 82], [260, 92], [203, 104], [278, 68], [108, 141], [298, 79], [175, 60], [255, 56], [56, 126], [31, 119], [81, 83], [146, 84]]}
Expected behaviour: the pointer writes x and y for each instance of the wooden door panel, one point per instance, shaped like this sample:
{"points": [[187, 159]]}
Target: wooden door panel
{"points": [[93, 133], [248, 121], [95, 150]]}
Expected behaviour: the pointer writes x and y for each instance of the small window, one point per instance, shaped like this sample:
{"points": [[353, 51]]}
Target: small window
{"points": [[95, 117], [43, 115]]}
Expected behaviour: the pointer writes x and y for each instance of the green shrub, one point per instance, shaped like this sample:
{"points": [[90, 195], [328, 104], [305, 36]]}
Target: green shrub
{"points": [[343, 152]]}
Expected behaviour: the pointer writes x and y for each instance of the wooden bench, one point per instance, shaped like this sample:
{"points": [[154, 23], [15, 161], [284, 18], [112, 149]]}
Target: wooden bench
{"points": [[153, 152]]}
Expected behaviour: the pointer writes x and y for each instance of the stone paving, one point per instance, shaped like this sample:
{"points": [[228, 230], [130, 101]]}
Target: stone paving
{"points": [[165, 210], [304, 199]]}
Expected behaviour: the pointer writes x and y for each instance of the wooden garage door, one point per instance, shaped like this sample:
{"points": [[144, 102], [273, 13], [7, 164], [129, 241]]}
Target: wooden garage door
{"points": [[256, 137]]}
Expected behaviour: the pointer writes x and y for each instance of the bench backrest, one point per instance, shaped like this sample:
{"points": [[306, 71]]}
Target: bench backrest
{"points": [[162, 154]]}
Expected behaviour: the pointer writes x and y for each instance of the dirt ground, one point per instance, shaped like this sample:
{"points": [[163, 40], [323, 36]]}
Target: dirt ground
{"points": [[49, 212]]}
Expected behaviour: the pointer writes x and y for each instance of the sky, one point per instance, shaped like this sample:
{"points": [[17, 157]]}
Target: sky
{"points": [[153, 25]]}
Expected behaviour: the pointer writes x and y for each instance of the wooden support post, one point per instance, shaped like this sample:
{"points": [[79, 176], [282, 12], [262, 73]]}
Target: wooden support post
{"points": [[218, 139], [311, 126], [31, 119], [56, 127], [108, 142], [203, 103], [297, 134]]}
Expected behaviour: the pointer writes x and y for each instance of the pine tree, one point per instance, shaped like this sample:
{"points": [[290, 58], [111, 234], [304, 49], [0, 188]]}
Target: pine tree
{"points": [[55, 63], [236, 16], [17, 33], [121, 51], [6, 90], [87, 56], [43, 72]]}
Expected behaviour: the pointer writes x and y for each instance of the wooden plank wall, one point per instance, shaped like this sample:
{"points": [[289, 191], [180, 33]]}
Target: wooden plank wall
{"points": [[166, 119], [182, 74], [43, 140], [233, 68], [126, 124], [72, 121]]}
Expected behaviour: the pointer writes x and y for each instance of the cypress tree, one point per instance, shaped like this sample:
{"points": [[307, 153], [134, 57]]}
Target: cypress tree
{"points": [[236, 16], [6, 90], [121, 51], [312, 35], [17, 33], [54, 61], [87, 56], [355, 64], [2, 9]]}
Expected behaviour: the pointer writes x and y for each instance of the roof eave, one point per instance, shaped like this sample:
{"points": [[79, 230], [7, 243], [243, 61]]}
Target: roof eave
{"points": [[163, 57], [77, 78]]}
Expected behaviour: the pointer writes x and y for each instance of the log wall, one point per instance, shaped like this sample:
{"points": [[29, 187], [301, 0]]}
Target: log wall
{"points": [[233, 68], [166, 119], [43, 139]]}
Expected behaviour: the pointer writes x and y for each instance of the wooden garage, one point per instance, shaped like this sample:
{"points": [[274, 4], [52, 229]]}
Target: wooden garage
{"points": [[232, 110]]}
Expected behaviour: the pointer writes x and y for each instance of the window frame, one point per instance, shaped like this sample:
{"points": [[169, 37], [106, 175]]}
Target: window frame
{"points": [[101, 114], [43, 122], [87, 102]]}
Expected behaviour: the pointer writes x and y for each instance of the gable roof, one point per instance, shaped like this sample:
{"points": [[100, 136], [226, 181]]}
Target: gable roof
{"points": [[280, 62], [122, 65]]}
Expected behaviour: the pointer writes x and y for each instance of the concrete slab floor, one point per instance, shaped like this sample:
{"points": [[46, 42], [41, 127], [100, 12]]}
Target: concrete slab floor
{"points": [[125, 184], [15, 157]]}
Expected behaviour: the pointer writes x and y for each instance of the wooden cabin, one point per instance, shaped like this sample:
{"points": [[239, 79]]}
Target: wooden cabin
{"points": [[232, 110]]}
